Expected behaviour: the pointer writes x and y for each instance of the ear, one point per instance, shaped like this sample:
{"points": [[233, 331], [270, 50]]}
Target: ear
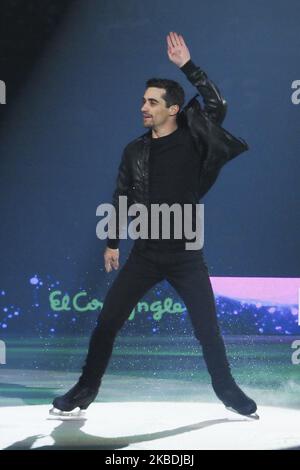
{"points": [[174, 108]]}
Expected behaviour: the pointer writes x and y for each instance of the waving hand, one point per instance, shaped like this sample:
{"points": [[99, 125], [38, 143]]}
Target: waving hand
{"points": [[177, 49]]}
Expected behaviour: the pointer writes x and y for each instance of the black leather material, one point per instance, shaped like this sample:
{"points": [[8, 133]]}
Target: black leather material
{"points": [[204, 124]]}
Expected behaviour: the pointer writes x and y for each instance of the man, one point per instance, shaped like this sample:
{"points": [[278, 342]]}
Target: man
{"points": [[177, 160]]}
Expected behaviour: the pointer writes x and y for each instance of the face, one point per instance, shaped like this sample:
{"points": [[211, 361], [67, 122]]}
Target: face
{"points": [[154, 109]]}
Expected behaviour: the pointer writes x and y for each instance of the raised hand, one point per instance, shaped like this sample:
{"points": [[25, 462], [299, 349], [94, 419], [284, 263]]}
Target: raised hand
{"points": [[177, 50]]}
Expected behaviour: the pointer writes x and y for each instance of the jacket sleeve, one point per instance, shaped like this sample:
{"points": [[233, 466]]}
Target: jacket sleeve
{"points": [[215, 106], [122, 187]]}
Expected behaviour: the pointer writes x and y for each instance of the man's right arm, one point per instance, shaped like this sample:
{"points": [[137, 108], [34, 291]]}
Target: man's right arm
{"points": [[123, 182]]}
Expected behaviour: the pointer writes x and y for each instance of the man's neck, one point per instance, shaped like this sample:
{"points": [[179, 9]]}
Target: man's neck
{"points": [[156, 133]]}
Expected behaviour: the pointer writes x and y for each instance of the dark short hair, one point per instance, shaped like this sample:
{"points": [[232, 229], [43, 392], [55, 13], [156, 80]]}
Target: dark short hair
{"points": [[174, 93]]}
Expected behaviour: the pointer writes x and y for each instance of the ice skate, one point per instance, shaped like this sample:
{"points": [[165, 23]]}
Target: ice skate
{"points": [[235, 399], [250, 416], [74, 403]]}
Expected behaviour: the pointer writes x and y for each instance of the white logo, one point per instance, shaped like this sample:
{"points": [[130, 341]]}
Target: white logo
{"points": [[296, 95], [2, 92], [2, 352], [296, 354], [138, 227]]}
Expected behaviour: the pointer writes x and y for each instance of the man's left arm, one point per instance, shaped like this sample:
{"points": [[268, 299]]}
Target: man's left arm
{"points": [[215, 106]]}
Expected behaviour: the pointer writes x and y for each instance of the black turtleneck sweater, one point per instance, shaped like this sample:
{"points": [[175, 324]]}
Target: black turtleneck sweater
{"points": [[174, 167]]}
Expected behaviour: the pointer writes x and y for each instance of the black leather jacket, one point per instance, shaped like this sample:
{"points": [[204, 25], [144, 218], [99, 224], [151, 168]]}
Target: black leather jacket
{"points": [[204, 124]]}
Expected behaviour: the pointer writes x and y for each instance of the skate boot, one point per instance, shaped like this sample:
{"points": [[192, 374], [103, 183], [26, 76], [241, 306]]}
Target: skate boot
{"points": [[74, 403], [235, 399]]}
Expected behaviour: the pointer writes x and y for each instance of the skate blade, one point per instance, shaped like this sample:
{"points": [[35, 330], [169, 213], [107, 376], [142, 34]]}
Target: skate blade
{"points": [[253, 416], [77, 413]]}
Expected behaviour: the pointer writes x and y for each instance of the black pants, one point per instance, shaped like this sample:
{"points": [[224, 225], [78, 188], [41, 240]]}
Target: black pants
{"points": [[187, 272]]}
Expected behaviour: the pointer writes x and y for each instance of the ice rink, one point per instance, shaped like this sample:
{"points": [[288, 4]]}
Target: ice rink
{"points": [[149, 426]]}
